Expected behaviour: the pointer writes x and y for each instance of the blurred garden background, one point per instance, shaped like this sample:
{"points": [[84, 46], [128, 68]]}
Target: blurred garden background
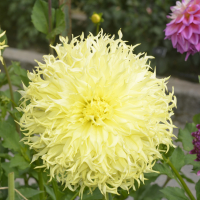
{"points": [[141, 21]]}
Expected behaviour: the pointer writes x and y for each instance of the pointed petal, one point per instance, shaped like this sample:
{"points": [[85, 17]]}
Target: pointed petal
{"points": [[187, 32], [174, 40], [194, 39]]}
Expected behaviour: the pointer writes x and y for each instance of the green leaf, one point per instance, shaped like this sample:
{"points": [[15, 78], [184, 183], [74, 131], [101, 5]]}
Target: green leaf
{"points": [[29, 192], [60, 24], [40, 16], [10, 136], [190, 160], [50, 191], [163, 168], [177, 158], [3, 79], [174, 193], [199, 78], [19, 161], [95, 195], [196, 119], [186, 178], [197, 188], [6, 167], [185, 136], [20, 72]]}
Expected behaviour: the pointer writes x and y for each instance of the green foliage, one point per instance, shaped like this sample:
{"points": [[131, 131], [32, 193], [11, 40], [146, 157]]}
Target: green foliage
{"points": [[185, 136], [59, 24], [10, 136], [29, 192], [163, 168], [96, 195], [196, 119], [177, 158], [40, 16], [174, 193], [40, 19]]}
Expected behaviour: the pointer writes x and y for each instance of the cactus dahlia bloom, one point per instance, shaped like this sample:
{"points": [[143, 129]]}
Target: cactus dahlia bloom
{"points": [[184, 29], [96, 114]]}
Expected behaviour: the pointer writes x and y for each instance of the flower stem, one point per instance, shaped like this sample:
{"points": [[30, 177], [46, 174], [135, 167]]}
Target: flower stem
{"points": [[74, 196], [11, 92], [185, 187], [55, 188], [11, 186], [97, 30], [41, 183], [168, 179], [50, 26], [67, 11]]}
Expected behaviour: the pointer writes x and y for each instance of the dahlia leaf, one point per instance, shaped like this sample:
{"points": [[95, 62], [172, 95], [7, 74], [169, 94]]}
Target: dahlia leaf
{"points": [[60, 24], [163, 169], [10, 136], [190, 160], [174, 193], [40, 16], [196, 119], [3, 79], [19, 161], [50, 191], [96, 194], [186, 178], [152, 193], [29, 192], [197, 186], [20, 72], [185, 136], [177, 158], [147, 192], [7, 169]]}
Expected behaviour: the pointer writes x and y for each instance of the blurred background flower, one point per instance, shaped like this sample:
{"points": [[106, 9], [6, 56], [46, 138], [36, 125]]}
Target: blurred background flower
{"points": [[184, 28], [196, 143]]}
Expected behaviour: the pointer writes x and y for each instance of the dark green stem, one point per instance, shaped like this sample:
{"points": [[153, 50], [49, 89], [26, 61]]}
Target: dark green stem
{"points": [[185, 187], [97, 29], [50, 26], [168, 179], [25, 180], [9, 83], [55, 188], [76, 194], [11, 92], [11, 186], [67, 11], [41, 183]]}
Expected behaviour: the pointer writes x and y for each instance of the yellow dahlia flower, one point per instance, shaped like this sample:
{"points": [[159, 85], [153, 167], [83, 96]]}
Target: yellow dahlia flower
{"points": [[2, 46], [97, 114]]}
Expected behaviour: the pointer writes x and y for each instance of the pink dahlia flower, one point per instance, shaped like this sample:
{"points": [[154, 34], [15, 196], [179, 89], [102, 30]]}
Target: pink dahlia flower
{"points": [[184, 29]]}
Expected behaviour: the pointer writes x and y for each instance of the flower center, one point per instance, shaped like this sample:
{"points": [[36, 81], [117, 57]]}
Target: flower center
{"points": [[96, 111]]}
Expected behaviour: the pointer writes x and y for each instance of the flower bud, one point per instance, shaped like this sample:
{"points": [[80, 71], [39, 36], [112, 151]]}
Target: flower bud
{"points": [[95, 18]]}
